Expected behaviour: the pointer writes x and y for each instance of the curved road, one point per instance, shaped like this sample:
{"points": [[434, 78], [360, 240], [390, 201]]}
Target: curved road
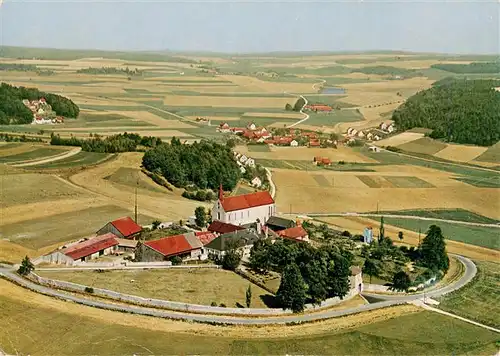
{"points": [[470, 272]]}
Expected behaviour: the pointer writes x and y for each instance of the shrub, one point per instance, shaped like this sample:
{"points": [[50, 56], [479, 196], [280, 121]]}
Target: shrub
{"points": [[89, 290]]}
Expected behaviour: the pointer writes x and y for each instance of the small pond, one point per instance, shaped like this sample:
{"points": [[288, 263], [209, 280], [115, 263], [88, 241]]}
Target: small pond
{"points": [[333, 90]]}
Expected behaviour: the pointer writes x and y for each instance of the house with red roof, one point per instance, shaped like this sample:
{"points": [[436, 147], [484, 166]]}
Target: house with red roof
{"points": [[314, 143], [186, 246], [124, 228], [82, 250], [219, 227], [244, 209], [296, 233]]}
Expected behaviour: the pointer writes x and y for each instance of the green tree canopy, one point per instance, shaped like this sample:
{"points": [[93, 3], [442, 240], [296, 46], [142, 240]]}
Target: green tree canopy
{"points": [[292, 290], [370, 268], [26, 267], [401, 281], [433, 250], [200, 216]]}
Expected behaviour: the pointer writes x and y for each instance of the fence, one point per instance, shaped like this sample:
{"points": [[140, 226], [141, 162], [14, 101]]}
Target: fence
{"points": [[177, 306]]}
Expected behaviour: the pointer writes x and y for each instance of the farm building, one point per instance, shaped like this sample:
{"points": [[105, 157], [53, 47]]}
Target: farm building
{"points": [[205, 237], [297, 233], [220, 227], [318, 107], [314, 143], [322, 161], [244, 209], [276, 223], [242, 240], [356, 279], [124, 228], [126, 245], [82, 250], [186, 246]]}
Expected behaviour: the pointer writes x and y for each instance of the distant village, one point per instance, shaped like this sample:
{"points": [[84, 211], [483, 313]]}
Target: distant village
{"points": [[42, 112]]}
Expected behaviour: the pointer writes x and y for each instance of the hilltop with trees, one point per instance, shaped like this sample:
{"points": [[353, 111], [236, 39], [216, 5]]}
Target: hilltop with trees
{"points": [[110, 70], [461, 111], [13, 111], [198, 166], [471, 68]]}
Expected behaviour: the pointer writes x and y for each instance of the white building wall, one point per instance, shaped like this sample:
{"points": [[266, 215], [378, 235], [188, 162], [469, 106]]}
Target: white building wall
{"points": [[244, 216]]}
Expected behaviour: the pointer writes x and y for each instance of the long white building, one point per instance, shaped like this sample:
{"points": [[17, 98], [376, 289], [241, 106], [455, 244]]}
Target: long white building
{"points": [[244, 209]]}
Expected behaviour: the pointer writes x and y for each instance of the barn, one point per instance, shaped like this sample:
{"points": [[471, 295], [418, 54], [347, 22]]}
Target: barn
{"points": [[124, 228], [186, 246]]}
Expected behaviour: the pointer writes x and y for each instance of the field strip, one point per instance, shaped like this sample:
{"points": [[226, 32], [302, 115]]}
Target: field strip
{"points": [[400, 139], [460, 153], [68, 154]]}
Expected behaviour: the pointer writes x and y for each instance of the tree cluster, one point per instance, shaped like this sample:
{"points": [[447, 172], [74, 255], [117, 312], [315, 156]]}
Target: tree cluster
{"points": [[461, 111], [299, 104], [126, 142], [14, 138], [110, 70], [13, 111], [308, 273], [202, 165], [387, 70], [471, 68]]}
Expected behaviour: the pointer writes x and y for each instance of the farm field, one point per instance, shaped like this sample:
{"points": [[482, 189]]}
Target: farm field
{"points": [[479, 299], [446, 214], [81, 159], [475, 235], [46, 321], [198, 286], [32, 153]]}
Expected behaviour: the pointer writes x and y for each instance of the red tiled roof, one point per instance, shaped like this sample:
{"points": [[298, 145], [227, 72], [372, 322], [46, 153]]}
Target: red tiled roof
{"points": [[293, 232], [223, 228], [171, 245], [205, 237], [126, 226], [246, 201], [314, 143], [91, 246]]}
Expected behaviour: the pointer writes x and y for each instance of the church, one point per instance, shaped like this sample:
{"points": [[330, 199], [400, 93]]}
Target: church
{"points": [[244, 209]]}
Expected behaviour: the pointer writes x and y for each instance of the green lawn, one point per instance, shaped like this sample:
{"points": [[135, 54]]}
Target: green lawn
{"points": [[333, 118], [447, 214], [492, 154], [30, 329], [475, 235], [81, 159], [258, 148], [479, 300], [423, 145], [41, 152], [41, 232]]}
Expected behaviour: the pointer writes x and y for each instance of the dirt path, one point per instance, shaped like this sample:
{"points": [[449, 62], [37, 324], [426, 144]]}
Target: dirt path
{"points": [[70, 153]]}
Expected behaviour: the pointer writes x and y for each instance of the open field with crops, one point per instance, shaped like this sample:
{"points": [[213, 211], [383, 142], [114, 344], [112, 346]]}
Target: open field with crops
{"points": [[46, 321], [479, 300], [197, 286]]}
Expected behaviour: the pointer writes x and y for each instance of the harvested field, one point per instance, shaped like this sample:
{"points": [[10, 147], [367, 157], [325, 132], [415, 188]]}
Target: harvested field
{"points": [[251, 84], [408, 182], [258, 148], [307, 154], [46, 321], [492, 154], [220, 101], [33, 153], [223, 118], [41, 232], [461, 153], [133, 177], [81, 159], [424, 145], [29, 188], [322, 180], [290, 115], [400, 139], [156, 120], [197, 286], [281, 124], [375, 181]]}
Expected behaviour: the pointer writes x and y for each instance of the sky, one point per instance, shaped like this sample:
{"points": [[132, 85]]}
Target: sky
{"points": [[253, 26]]}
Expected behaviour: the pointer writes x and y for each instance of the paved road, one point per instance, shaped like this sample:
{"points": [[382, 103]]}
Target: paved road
{"points": [[302, 112], [375, 215], [470, 271]]}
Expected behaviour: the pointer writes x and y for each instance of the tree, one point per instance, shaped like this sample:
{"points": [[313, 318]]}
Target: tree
{"points": [[288, 107], [338, 272], [231, 259], [299, 104], [260, 259], [156, 224], [200, 216], [292, 290], [176, 260], [315, 277], [433, 250], [248, 296], [382, 230], [400, 236], [26, 267], [370, 268], [401, 281]]}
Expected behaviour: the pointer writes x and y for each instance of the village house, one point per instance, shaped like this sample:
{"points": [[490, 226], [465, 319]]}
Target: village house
{"points": [[369, 136], [361, 134], [241, 240], [314, 143], [321, 161], [83, 250], [391, 128], [186, 246], [256, 182], [296, 233], [276, 223], [244, 209], [243, 158], [356, 279], [318, 108], [124, 228], [224, 127], [294, 143], [251, 126], [219, 227], [250, 162], [383, 126]]}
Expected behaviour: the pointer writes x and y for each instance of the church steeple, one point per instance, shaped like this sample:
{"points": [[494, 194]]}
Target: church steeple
{"points": [[221, 193]]}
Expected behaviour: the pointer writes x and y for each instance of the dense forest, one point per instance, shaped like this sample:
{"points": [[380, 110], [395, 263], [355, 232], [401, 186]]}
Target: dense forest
{"points": [[204, 165], [388, 70], [461, 111], [110, 70], [471, 68], [126, 142], [13, 111]]}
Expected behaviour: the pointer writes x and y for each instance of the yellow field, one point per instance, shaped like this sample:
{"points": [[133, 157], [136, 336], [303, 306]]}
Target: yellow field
{"points": [[219, 101], [221, 118], [400, 139], [308, 154], [148, 117], [407, 64], [256, 85], [290, 115], [460, 153]]}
